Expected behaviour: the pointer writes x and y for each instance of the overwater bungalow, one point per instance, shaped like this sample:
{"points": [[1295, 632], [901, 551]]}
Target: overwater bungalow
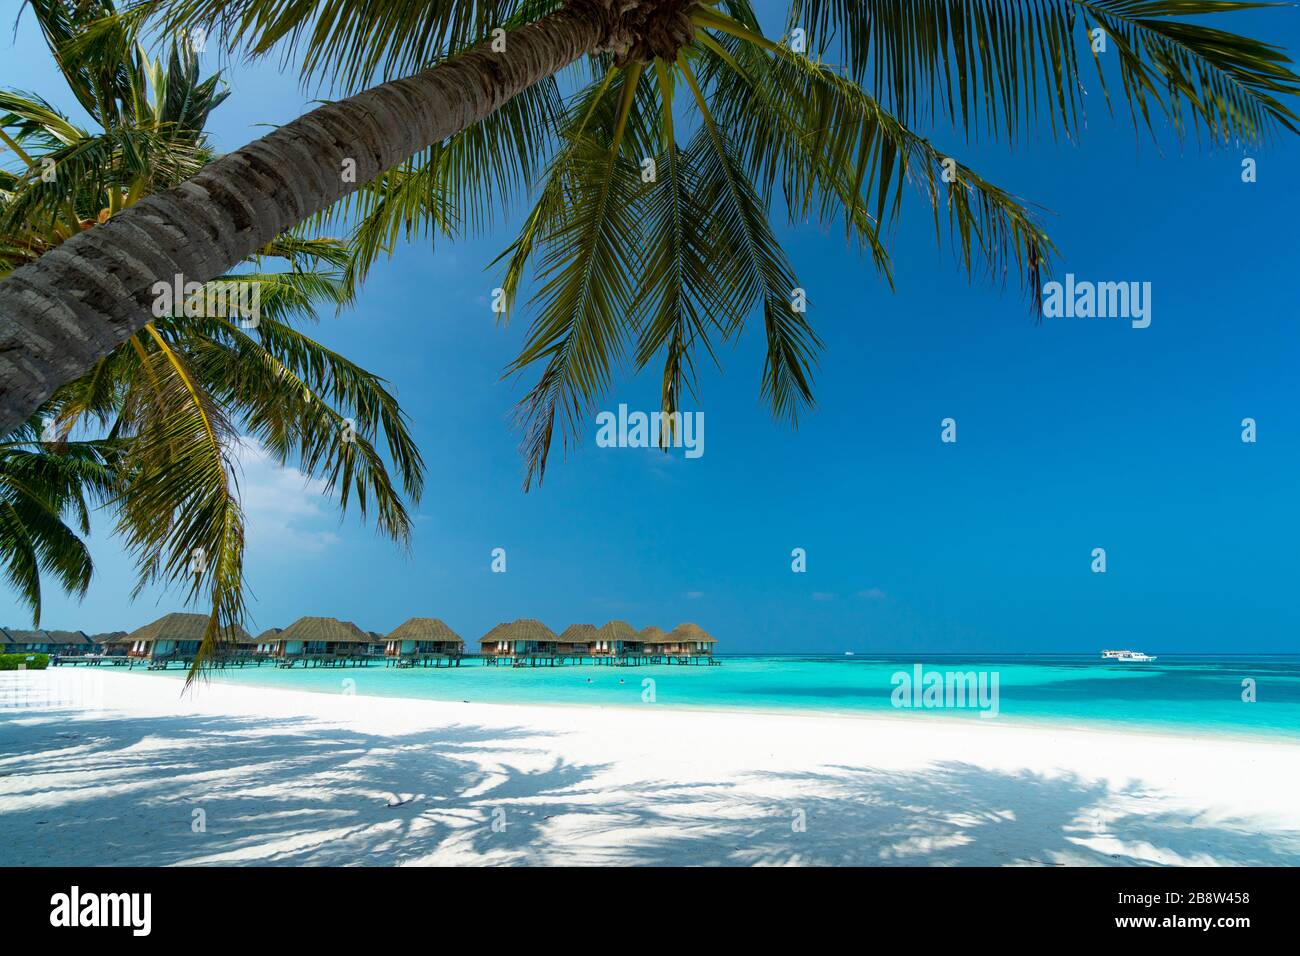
{"points": [[689, 644], [53, 643], [108, 642], [424, 641], [321, 641], [654, 640], [115, 646], [619, 643], [245, 651], [175, 638], [263, 644], [523, 642], [578, 641]]}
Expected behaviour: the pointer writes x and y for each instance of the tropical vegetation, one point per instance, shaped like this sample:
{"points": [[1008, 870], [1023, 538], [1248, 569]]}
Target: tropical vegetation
{"points": [[471, 109], [655, 141], [31, 662], [155, 427]]}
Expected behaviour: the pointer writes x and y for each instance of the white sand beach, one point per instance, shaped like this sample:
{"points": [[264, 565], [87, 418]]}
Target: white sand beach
{"points": [[98, 767]]}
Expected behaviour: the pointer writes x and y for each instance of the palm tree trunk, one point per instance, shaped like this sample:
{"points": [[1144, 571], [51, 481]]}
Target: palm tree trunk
{"points": [[65, 311]]}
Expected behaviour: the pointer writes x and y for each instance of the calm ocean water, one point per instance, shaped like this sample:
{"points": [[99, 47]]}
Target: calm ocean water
{"points": [[1190, 694]]}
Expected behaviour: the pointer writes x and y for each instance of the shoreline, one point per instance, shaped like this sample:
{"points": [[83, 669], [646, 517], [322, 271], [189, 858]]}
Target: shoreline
{"points": [[1099, 725], [301, 777]]}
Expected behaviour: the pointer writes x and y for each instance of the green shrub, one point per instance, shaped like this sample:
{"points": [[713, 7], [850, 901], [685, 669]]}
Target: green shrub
{"points": [[34, 662]]}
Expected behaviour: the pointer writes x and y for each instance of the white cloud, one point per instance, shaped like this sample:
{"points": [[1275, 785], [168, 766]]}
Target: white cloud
{"points": [[823, 596], [694, 595], [872, 594], [284, 509]]}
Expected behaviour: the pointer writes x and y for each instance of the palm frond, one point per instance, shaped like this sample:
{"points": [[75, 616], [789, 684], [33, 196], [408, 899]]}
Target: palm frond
{"points": [[405, 203], [351, 44], [483, 169], [45, 493], [1005, 63], [754, 262], [179, 512], [175, 398], [36, 121], [98, 69], [548, 210], [587, 291], [89, 174], [310, 406], [822, 136], [305, 252], [678, 292]]}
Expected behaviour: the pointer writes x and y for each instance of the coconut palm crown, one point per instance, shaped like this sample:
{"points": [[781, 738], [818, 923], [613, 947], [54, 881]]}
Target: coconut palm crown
{"points": [[170, 409], [661, 135]]}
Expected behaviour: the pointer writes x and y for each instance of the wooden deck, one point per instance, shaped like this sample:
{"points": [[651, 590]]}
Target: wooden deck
{"points": [[152, 663], [328, 660], [72, 660], [95, 660], [162, 663], [429, 659]]}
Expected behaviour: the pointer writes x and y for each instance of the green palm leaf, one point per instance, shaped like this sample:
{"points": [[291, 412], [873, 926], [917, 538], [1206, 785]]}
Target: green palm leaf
{"points": [[1006, 63], [178, 399], [349, 43], [749, 258], [311, 406], [46, 489], [178, 508], [831, 144], [587, 290]]}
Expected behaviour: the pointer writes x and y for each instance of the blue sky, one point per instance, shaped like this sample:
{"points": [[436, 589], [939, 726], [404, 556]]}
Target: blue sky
{"points": [[1073, 434]]}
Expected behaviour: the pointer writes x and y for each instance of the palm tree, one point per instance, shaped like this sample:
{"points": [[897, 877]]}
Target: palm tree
{"points": [[460, 79], [44, 490], [175, 400]]}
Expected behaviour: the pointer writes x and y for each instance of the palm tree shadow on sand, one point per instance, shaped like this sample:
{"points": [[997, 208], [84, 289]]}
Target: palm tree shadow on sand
{"points": [[228, 790]]}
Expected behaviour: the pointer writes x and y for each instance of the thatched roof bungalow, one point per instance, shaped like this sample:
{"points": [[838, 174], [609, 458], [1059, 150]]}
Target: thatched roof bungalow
{"points": [[617, 639], [111, 643], [518, 639], [176, 636], [264, 642], [423, 636], [39, 641], [320, 637], [690, 640], [578, 640], [653, 639]]}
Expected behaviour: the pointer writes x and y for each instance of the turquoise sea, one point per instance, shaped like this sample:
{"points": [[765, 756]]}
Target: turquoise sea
{"points": [[1183, 693]]}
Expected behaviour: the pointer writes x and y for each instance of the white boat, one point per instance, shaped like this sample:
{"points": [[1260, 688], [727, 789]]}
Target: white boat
{"points": [[848, 653], [1126, 656]]}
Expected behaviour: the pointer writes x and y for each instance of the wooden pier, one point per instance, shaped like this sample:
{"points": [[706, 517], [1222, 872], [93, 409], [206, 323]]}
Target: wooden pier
{"points": [[327, 660], [221, 663], [73, 660], [424, 660], [112, 660]]}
